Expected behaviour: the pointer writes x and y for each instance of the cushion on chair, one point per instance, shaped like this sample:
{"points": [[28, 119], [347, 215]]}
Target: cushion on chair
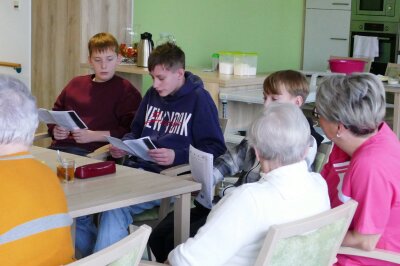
{"points": [[147, 215], [128, 259], [307, 249]]}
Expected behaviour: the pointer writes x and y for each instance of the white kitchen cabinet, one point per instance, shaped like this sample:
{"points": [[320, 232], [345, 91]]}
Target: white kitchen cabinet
{"points": [[329, 4], [326, 33]]}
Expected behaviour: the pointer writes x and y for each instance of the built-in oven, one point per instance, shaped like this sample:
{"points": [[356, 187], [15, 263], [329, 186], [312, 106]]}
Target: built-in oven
{"points": [[388, 37]]}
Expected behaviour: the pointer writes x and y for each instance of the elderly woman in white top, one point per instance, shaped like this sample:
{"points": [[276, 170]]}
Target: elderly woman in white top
{"points": [[285, 192]]}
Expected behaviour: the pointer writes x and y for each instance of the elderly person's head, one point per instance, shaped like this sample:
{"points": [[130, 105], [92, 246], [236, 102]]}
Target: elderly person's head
{"points": [[351, 106], [280, 136], [18, 113]]}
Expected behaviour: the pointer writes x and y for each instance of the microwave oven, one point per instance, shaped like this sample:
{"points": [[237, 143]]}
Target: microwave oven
{"points": [[375, 8]]}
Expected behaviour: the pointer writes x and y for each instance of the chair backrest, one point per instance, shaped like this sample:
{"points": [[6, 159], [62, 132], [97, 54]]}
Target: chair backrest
{"points": [[311, 241], [101, 153], [127, 251], [368, 61], [322, 156], [378, 254], [392, 70]]}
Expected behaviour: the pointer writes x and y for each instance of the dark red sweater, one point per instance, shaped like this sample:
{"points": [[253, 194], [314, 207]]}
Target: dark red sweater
{"points": [[103, 106]]}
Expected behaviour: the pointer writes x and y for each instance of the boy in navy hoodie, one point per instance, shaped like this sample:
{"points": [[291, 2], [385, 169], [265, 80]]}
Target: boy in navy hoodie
{"points": [[175, 112]]}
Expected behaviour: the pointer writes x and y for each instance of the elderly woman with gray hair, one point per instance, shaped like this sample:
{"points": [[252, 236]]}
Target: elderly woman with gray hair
{"points": [[285, 192], [365, 161], [34, 223]]}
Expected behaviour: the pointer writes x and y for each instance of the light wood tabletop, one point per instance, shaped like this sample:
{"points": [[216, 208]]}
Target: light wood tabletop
{"points": [[126, 187]]}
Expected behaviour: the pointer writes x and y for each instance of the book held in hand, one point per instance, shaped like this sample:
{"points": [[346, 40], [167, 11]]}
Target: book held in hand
{"points": [[137, 147], [67, 119], [201, 167]]}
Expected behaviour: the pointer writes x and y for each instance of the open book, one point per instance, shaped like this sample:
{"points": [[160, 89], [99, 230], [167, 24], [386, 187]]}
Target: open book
{"points": [[137, 147], [68, 119], [201, 167]]}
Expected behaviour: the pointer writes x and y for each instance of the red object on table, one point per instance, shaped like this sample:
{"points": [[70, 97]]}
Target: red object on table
{"points": [[95, 169]]}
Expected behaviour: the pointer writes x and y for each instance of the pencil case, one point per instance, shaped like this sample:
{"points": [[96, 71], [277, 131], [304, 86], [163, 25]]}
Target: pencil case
{"points": [[95, 169]]}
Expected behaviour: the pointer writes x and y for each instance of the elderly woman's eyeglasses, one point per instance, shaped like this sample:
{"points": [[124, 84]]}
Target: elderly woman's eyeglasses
{"points": [[315, 113]]}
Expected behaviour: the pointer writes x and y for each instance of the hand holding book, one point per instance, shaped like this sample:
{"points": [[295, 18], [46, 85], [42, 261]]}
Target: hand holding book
{"points": [[137, 147], [67, 119]]}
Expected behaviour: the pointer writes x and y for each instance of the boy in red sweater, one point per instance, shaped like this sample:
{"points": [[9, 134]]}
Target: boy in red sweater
{"points": [[104, 101]]}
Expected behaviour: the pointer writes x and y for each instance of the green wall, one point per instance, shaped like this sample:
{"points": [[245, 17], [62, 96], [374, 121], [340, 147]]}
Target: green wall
{"points": [[272, 28]]}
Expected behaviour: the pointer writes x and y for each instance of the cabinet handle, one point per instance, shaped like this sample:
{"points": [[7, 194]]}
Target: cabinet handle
{"points": [[340, 4], [338, 39]]}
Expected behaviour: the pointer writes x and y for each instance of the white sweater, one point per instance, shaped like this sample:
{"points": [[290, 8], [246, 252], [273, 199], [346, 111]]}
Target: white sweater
{"points": [[237, 225]]}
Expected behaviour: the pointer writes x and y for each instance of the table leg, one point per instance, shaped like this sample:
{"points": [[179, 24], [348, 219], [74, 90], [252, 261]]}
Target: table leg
{"points": [[73, 232], [396, 115], [181, 218]]}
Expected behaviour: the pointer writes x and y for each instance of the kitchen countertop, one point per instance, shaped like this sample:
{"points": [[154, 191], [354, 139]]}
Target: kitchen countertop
{"points": [[211, 77], [253, 96]]}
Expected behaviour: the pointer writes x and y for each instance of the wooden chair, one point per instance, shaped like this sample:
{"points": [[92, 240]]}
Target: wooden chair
{"points": [[368, 61], [41, 135], [127, 251], [311, 241], [379, 254], [392, 70], [322, 156]]}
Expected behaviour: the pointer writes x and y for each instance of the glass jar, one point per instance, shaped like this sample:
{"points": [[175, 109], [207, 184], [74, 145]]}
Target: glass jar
{"points": [[164, 38], [214, 61]]}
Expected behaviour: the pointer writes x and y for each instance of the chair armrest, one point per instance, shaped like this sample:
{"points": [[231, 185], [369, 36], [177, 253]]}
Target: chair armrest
{"points": [[101, 153], [188, 177], [378, 254], [176, 170], [41, 135], [150, 263]]}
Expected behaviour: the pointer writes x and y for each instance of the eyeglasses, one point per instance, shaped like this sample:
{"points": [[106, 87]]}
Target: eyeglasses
{"points": [[315, 113]]}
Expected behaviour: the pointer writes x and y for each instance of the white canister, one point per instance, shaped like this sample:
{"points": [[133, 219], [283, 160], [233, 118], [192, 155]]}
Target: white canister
{"points": [[226, 63], [245, 64]]}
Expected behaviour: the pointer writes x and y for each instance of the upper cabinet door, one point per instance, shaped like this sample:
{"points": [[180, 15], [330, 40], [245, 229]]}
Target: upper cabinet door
{"points": [[326, 33], [329, 4]]}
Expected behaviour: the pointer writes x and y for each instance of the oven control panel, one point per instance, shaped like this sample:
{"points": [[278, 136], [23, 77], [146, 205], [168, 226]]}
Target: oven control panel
{"points": [[378, 27]]}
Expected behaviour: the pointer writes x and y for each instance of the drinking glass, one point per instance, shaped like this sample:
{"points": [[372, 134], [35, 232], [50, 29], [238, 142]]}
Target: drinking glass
{"points": [[66, 170]]}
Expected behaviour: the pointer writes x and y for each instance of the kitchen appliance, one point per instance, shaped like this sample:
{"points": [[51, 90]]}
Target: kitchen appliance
{"points": [[144, 49], [388, 38], [376, 10]]}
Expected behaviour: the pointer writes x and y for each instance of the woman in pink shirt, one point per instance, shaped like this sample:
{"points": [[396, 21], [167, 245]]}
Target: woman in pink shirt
{"points": [[365, 162]]}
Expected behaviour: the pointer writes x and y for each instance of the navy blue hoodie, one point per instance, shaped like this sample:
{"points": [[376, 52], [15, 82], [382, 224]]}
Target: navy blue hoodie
{"points": [[176, 121]]}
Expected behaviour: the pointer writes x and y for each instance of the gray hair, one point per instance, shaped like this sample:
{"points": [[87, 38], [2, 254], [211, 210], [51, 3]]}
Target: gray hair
{"points": [[281, 133], [357, 101], [18, 112]]}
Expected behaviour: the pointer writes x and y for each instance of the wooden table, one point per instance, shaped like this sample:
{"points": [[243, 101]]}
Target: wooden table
{"points": [[128, 186]]}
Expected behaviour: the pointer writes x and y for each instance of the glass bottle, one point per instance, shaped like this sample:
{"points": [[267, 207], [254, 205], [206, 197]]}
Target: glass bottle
{"points": [[164, 38]]}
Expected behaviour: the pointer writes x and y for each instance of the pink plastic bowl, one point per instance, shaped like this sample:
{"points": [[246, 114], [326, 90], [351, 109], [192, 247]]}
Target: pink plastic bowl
{"points": [[346, 66]]}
